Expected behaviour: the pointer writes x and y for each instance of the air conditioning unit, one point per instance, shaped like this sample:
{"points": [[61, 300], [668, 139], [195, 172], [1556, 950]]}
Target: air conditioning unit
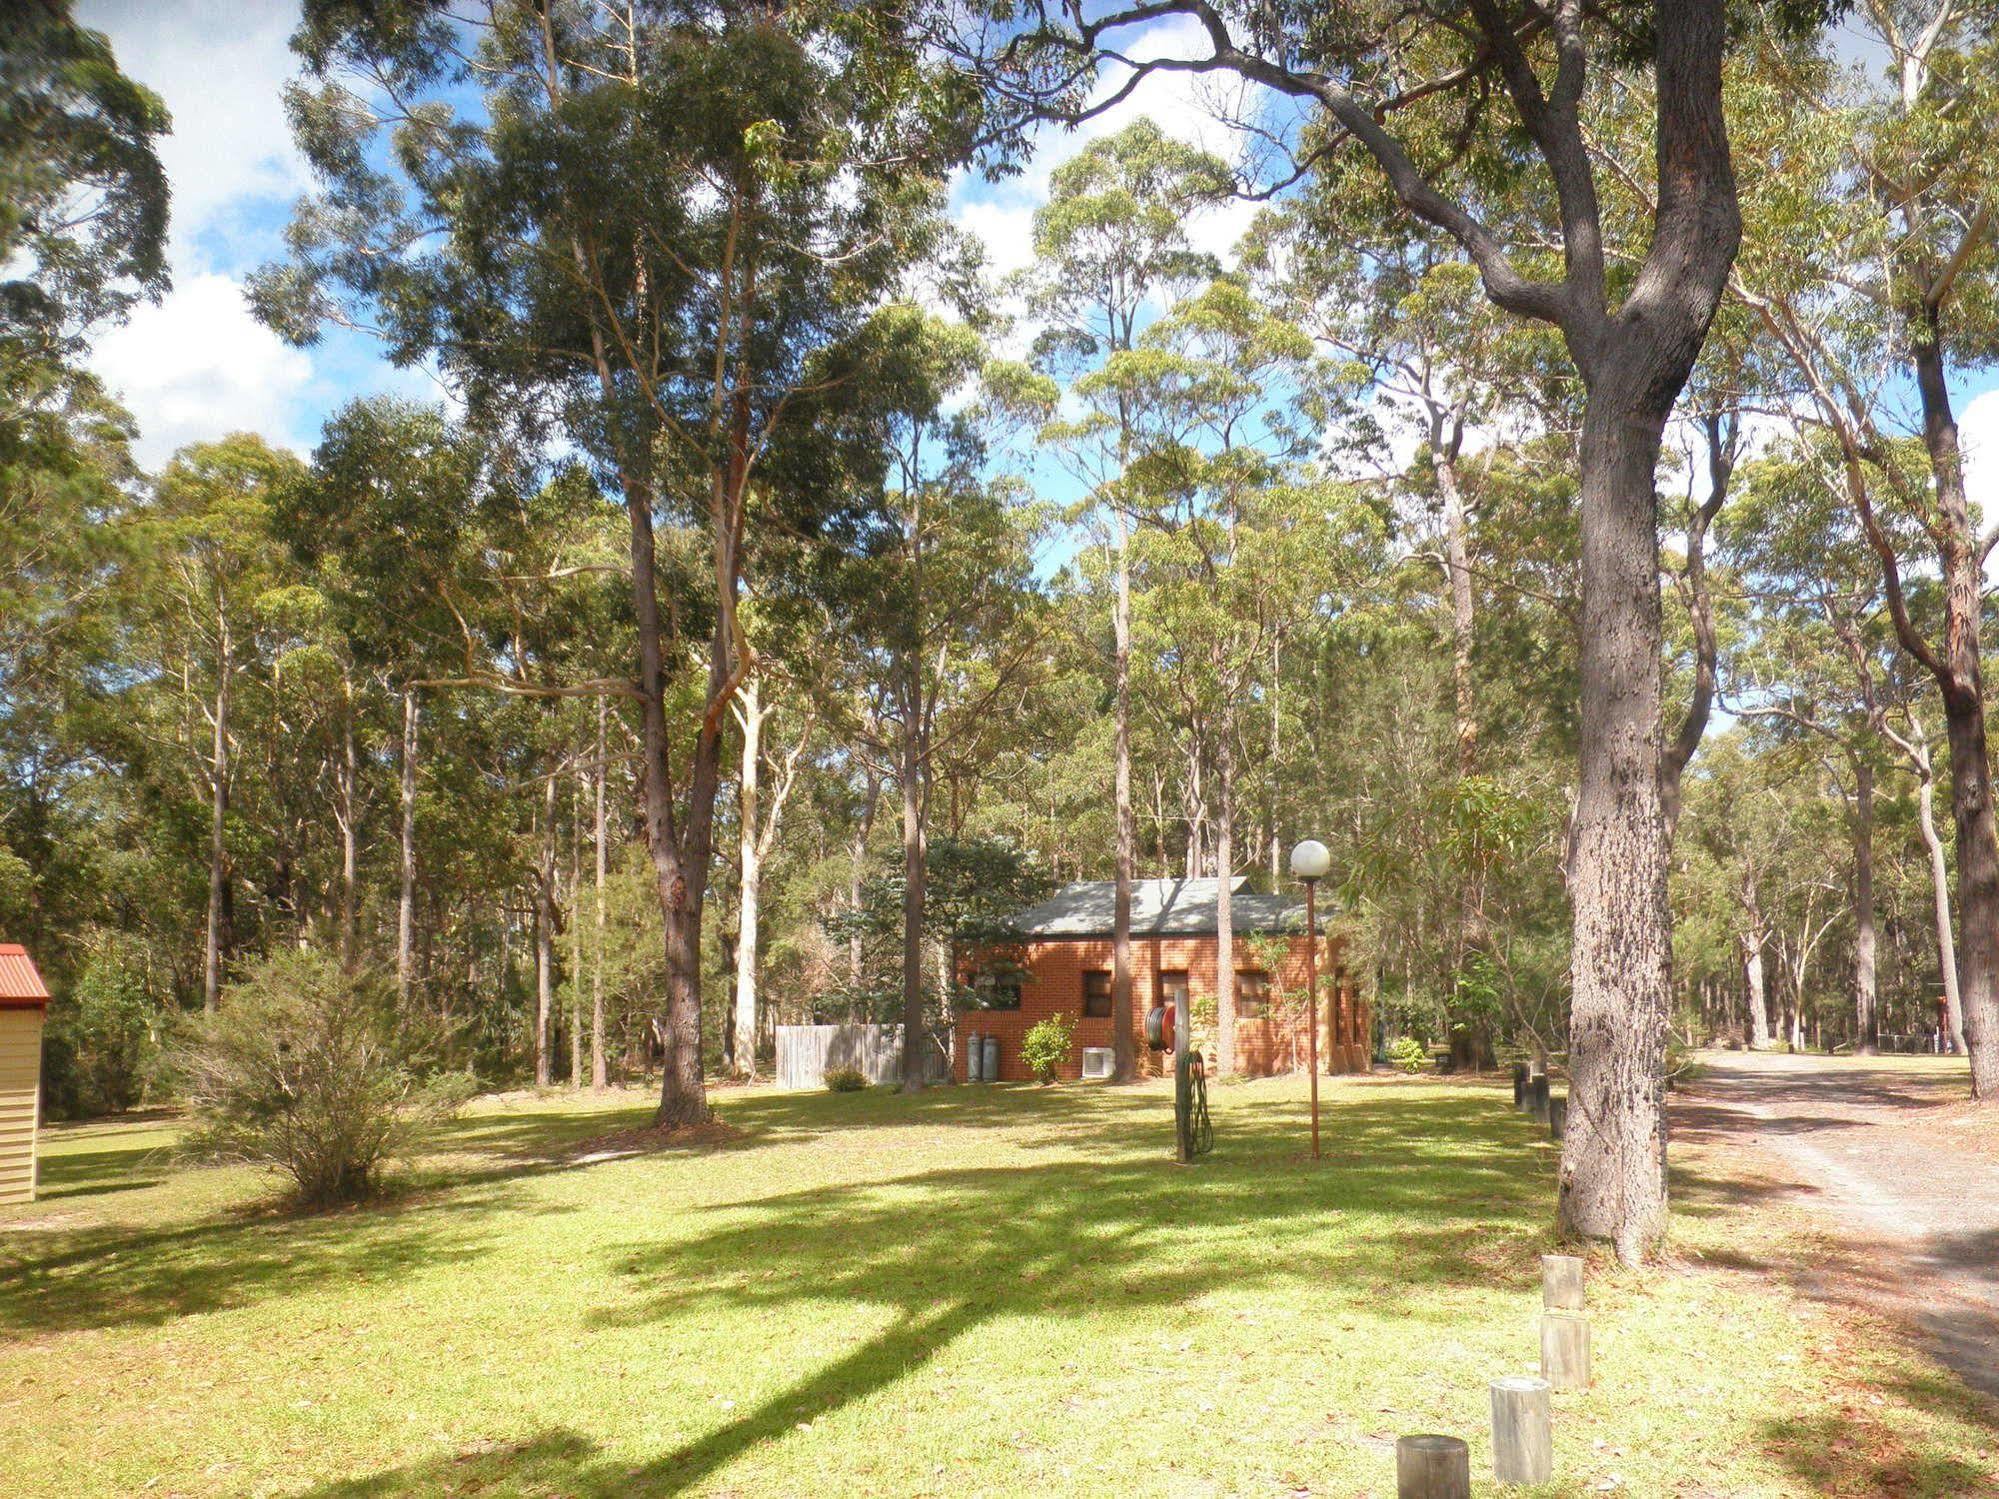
{"points": [[1097, 1062]]}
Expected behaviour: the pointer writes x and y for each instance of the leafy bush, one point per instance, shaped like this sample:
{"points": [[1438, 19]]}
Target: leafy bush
{"points": [[100, 1040], [1045, 1047], [301, 1070], [845, 1079], [1408, 1054]]}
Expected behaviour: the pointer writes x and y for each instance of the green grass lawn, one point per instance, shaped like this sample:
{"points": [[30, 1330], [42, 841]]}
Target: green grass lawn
{"points": [[990, 1290]]}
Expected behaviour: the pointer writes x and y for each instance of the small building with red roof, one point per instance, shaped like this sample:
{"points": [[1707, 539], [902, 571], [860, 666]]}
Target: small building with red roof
{"points": [[24, 1000]]}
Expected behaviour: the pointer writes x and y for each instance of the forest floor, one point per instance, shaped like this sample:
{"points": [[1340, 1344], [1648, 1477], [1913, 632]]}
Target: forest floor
{"points": [[1900, 1174], [977, 1291]]}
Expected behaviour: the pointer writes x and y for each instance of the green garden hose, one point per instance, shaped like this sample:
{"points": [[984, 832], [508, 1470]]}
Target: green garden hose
{"points": [[1193, 1130]]}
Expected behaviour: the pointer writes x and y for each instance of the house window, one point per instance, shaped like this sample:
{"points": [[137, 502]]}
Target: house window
{"points": [[1173, 987], [997, 991], [1252, 993], [1097, 993]]}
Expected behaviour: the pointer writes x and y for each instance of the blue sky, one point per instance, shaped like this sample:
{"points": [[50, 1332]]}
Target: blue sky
{"points": [[199, 365]]}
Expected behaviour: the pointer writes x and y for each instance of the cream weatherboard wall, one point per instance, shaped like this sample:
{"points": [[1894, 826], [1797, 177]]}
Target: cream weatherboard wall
{"points": [[20, 1090]]}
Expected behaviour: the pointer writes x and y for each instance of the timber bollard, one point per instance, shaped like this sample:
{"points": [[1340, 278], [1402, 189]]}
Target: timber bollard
{"points": [[1519, 1085], [1565, 1350], [1537, 1097], [1432, 1467], [1562, 1282], [1558, 1116], [1523, 1435]]}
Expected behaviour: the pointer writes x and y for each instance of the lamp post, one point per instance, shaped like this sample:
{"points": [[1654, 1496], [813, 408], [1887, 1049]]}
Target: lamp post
{"points": [[1309, 862]]}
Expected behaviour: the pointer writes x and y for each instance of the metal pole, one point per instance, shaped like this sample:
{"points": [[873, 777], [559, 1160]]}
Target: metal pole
{"points": [[1312, 996]]}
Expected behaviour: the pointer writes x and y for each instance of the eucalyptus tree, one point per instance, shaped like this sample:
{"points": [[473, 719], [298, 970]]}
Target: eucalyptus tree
{"points": [[946, 607], [1363, 75], [386, 517], [1876, 278], [210, 556], [1111, 246], [677, 291], [1240, 536]]}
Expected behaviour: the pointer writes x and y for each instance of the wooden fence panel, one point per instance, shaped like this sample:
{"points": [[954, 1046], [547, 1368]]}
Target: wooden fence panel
{"points": [[806, 1053]]}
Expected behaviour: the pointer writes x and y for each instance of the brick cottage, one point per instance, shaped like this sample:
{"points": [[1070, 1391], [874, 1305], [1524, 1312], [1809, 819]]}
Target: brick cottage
{"points": [[1056, 960]]}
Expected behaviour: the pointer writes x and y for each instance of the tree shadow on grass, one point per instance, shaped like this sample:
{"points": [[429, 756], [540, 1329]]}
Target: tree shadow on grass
{"points": [[1390, 1210], [1427, 1190], [67, 1280], [1851, 1453]]}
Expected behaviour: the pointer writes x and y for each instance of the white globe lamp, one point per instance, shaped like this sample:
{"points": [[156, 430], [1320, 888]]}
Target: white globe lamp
{"points": [[1311, 860]]}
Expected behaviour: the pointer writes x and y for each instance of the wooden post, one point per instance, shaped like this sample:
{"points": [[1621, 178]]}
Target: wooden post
{"points": [[1565, 1350], [1432, 1467], [1523, 1437], [1537, 1097], [1562, 1282], [1558, 1117], [1519, 1085]]}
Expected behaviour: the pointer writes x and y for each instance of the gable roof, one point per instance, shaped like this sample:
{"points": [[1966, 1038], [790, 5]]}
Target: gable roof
{"points": [[1159, 908], [21, 986]]}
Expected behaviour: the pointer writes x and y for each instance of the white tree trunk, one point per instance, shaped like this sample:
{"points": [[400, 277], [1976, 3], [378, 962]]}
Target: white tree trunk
{"points": [[406, 897]]}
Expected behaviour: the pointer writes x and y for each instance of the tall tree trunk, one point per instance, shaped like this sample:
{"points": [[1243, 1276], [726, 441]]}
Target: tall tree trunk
{"points": [[910, 774], [1940, 898], [599, 1077], [1613, 1173], [750, 715], [544, 933], [1754, 941], [1457, 556], [218, 818], [576, 936], [406, 897], [1225, 994], [679, 845], [1964, 721], [348, 782], [1124, 1049], [1867, 1034]]}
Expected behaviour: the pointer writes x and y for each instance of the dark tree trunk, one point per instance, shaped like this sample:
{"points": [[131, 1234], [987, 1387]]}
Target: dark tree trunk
{"points": [[1613, 1175]]}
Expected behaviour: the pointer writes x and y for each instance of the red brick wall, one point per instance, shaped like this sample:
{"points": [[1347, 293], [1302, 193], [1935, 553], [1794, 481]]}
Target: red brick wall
{"points": [[1053, 985]]}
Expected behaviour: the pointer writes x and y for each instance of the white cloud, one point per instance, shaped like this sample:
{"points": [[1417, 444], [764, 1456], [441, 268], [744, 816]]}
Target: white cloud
{"points": [[220, 65], [199, 365], [1193, 108]]}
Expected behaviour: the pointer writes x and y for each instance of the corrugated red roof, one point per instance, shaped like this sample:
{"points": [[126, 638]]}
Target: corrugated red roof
{"points": [[20, 985]]}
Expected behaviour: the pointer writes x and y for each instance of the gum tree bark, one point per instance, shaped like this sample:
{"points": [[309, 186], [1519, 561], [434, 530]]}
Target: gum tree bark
{"points": [[599, 1077], [406, 895], [218, 818], [1867, 1037]]}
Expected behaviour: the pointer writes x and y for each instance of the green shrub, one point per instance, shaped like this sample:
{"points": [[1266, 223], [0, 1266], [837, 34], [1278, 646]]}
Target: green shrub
{"points": [[1045, 1047], [1408, 1054], [301, 1070], [100, 1043], [845, 1079]]}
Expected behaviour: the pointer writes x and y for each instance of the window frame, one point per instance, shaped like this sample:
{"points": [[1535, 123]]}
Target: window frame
{"points": [[1108, 994], [1261, 1001]]}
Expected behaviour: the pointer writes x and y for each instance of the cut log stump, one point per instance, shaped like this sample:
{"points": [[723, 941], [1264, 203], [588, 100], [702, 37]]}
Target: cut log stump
{"points": [[1432, 1467], [1562, 1282], [1565, 1350], [1523, 1435]]}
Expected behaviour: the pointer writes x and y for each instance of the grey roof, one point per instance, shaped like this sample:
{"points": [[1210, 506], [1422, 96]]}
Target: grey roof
{"points": [[1160, 908]]}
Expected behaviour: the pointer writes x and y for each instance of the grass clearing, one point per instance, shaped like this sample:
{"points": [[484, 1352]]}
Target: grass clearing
{"points": [[990, 1290]]}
